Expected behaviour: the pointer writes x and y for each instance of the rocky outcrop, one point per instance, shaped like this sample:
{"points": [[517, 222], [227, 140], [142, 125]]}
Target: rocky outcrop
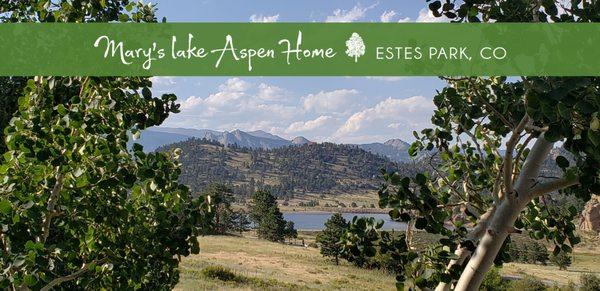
{"points": [[590, 217]]}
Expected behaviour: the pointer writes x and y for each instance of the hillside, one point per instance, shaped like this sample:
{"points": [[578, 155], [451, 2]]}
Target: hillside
{"points": [[309, 168], [394, 149]]}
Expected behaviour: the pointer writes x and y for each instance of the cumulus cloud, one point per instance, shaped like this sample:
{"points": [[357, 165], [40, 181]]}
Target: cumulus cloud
{"points": [[264, 18], [163, 81], [356, 13], [235, 85], [398, 117], [387, 16], [271, 93], [425, 15], [310, 125], [330, 101], [388, 79]]}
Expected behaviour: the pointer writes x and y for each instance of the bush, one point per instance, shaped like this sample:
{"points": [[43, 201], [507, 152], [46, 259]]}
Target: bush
{"points": [[493, 281], [219, 272], [589, 282], [562, 260], [528, 283]]}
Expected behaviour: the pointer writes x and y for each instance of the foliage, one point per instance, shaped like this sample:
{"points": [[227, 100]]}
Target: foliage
{"points": [[329, 238], [10, 90], [267, 217], [219, 272], [77, 207], [562, 260], [241, 221], [494, 282], [528, 251], [528, 283], [589, 282], [272, 226], [290, 231], [494, 189], [221, 198]]}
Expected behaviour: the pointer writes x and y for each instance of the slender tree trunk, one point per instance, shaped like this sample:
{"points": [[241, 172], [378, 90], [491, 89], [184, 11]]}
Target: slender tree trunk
{"points": [[461, 252], [504, 218]]}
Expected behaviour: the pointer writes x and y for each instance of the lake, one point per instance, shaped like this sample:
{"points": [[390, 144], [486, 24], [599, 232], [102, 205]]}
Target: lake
{"points": [[316, 220]]}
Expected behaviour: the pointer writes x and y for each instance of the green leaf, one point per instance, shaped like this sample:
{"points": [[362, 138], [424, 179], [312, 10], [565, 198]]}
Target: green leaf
{"points": [[562, 162], [5, 207]]}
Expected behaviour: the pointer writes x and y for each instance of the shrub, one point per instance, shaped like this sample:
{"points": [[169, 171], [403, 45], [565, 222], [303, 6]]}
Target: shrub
{"points": [[589, 282], [219, 272], [528, 283], [493, 281], [562, 260]]}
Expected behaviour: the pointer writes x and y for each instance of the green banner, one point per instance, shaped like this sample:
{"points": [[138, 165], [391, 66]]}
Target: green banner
{"points": [[300, 49]]}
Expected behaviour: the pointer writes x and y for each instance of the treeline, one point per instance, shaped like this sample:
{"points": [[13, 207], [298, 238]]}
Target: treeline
{"points": [[286, 171]]}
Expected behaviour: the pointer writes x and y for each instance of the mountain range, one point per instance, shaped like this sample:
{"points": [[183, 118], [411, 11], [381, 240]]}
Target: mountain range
{"points": [[153, 138]]}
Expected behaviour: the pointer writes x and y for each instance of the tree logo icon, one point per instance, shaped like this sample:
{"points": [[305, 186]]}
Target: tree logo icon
{"points": [[355, 47]]}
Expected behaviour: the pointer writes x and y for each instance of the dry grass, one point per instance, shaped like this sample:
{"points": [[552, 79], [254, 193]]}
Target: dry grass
{"points": [[272, 266], [583, 262], [275, 266]]}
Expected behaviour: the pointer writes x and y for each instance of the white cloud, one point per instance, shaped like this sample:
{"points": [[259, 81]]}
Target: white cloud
{"points": [[387, 16], [356, 13], [311, 125], [330, 101], [235, 85], [387, 79], [405, 19], [264, 18], [271, 93], [425, 15], [163, 81], [390, 117]]}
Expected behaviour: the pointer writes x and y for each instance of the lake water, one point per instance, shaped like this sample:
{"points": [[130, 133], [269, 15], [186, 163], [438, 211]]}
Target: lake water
{"points": [[316, 220]]}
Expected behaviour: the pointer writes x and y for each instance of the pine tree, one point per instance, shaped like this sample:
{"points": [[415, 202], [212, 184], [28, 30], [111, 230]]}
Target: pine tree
{"points": [[241, 221], [272, 225], [265, 213], [262, 201], [222, 198], [290, 231], [329, 238]]}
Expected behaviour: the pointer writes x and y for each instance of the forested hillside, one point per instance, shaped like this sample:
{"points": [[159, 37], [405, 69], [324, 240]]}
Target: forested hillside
{"points": [[325, 168]]}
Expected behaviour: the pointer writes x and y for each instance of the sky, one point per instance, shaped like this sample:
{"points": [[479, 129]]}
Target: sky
{"points": [[334, 109]]}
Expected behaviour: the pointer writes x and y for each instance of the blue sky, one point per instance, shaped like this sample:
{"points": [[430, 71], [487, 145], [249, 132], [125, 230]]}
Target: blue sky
{"points": [[338, 109]]}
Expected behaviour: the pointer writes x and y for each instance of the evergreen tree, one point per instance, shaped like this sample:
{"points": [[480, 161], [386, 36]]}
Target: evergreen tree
{"points": [[290, 231], [262, 201], [329, 238], [222, 198], [272, 225], [241, 221]]}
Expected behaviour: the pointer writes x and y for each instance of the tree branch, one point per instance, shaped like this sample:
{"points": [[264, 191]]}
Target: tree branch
{"points": [[551, 186], [54, 195], [508, 155], [84, 268]]}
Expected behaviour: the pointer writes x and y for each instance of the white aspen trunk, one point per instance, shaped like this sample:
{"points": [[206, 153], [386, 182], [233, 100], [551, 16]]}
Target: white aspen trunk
{"points": [[462, 253], [504, 218]]}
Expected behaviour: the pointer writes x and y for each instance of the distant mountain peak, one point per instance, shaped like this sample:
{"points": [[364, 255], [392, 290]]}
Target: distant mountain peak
{"points": [[264, 134], [300, 140], [397, 143]]}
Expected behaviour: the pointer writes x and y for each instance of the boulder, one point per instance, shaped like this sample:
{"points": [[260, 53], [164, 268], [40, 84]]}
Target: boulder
{"points": [[590, 217]]}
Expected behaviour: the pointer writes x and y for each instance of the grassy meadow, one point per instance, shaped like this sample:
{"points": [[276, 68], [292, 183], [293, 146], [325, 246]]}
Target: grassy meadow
{"points": [[260, 265]]}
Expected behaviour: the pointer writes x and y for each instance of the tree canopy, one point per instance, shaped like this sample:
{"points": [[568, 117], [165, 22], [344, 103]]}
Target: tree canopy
{"points": [[78, 208], [492, 137]]}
